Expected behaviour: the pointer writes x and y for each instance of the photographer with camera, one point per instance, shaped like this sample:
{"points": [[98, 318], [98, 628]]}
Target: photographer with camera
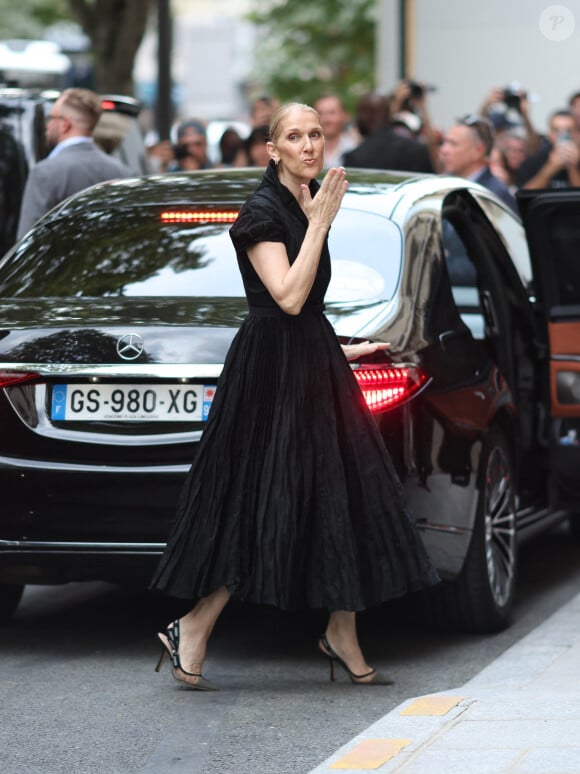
{"points": [[508, 108], [558, 164], [190, 150], [408, 105], [383, 147]]}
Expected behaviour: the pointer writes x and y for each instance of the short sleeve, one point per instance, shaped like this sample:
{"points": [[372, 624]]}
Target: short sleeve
{"points": [[254, 224]]}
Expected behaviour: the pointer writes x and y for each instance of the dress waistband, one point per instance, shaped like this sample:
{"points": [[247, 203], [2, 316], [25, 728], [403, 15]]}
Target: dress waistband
{"points": [[275, 311]]}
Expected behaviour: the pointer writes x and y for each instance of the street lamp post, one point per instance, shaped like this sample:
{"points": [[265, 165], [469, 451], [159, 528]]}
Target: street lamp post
{"points": [[395, 50], [163, 104]]}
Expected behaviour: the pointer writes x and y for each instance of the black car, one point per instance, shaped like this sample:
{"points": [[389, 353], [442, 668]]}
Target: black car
{"points": [[23, 143], [116, 312]]}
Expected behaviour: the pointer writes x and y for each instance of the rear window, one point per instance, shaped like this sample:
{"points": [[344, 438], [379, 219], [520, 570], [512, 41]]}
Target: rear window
{"points": [[135, 252]]}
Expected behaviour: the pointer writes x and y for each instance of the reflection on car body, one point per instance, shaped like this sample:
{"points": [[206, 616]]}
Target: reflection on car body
{"points": [[96, 443]]}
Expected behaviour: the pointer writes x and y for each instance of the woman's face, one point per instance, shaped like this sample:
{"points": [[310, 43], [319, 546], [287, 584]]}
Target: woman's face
{"points": [[299, 146]]}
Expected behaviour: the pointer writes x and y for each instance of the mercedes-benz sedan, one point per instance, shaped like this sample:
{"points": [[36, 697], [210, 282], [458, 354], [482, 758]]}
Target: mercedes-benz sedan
{"points": [[116, 312]]}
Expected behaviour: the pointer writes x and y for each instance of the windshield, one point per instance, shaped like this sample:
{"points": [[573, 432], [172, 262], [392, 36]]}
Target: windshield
{"points": [[135, 252]]}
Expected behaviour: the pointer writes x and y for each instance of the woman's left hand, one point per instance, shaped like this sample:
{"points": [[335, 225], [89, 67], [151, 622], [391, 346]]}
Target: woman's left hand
{"points": [[354, 351]]}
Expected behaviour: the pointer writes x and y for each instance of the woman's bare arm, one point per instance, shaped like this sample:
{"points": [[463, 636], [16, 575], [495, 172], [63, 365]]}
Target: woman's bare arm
{"points": [[289, 285]]}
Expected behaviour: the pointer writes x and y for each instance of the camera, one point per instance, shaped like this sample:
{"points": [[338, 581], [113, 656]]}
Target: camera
{"points": [[417, 90], [180, 152], [512, 99], [564, 138]]}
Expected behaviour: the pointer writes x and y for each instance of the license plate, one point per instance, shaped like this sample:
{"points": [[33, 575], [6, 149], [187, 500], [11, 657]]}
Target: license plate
{"points": [[132, 402]]}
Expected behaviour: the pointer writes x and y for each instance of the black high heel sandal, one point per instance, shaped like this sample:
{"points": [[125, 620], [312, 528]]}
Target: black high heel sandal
{"points": [[194, 680], [378, 679]]}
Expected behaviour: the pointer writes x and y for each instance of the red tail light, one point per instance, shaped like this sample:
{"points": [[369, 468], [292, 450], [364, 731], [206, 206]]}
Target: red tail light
{"points": [[199, 216], [386, 387], [9, 378]]}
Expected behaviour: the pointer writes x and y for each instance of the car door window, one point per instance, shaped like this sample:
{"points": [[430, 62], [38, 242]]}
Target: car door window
{"points": [[463, 279], [564, 235], [513, 237]]}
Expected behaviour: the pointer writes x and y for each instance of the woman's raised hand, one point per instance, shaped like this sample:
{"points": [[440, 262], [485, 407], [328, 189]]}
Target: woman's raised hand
{"points": [[322, 209]]}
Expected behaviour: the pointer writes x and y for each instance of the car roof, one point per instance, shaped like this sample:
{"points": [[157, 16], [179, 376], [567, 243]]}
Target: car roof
{"points": [[383, 191], [219, 186]]}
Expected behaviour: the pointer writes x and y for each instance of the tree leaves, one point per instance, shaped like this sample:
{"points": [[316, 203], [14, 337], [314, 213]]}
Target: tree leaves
{"points": [[309, 48]]}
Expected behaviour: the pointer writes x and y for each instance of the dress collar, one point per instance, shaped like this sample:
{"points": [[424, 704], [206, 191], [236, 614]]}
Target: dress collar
{"points": [[271, 177]]}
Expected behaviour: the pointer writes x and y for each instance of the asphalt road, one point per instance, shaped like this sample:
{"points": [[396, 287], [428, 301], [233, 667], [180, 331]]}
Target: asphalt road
{"points": [[78, 691]]}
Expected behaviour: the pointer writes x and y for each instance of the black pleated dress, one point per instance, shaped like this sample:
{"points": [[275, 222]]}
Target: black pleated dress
{"points": [[292, 499]]}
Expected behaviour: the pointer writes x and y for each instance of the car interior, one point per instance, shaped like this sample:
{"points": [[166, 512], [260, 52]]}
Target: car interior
{"points": [[491, 306]]}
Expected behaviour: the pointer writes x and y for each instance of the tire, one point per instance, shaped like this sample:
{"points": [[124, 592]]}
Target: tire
{"points": [[480, 599], [10, 596]]}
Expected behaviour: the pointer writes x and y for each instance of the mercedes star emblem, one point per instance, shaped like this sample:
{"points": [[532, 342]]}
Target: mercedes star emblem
{"points": [[130, 346]]}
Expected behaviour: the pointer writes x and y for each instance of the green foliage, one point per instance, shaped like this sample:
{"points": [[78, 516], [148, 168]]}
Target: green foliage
{"points": [[49, 12], [307, 48], [29, 18]]}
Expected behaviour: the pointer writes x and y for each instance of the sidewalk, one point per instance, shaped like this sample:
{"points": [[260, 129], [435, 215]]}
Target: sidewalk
{"points": [[521, 715]]}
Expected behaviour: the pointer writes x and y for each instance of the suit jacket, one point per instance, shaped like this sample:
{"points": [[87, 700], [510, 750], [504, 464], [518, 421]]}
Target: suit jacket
{"points": [[385, 149], [498, 187], [55, 179]]}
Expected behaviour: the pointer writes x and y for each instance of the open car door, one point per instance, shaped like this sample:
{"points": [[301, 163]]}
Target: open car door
{"points": [[552, 223]]}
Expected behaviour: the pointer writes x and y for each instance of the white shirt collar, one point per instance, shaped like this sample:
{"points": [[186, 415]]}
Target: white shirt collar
{"points": [[478, 172], [67, 143]]}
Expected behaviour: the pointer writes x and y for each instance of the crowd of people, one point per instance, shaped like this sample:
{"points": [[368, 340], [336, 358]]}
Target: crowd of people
{"points": [[498, 146]]}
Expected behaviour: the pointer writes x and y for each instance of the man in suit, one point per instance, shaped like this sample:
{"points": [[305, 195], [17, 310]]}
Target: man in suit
{"points": [[465, 152], [382, 147], [74, 163]]}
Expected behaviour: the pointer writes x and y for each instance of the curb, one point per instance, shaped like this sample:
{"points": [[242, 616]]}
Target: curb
{"points": [[533, 688]]}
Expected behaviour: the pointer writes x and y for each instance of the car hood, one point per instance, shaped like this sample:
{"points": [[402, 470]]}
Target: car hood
{"points": [[91, 331]]}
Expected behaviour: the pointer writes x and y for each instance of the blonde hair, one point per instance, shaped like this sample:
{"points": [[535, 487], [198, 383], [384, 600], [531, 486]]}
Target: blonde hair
{"points": [[281, 113], [84, 105]]}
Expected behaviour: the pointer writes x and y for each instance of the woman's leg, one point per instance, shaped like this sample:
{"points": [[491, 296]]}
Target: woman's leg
{"points": [[196, 626], [342, 637]]}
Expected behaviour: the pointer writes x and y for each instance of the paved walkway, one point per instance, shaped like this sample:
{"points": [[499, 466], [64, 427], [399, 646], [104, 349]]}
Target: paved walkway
{"points": [[520, 715]]}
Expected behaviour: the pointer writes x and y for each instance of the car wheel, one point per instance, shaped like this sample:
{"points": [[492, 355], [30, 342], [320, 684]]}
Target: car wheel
{"points": [[10, 596], [480, 599]]}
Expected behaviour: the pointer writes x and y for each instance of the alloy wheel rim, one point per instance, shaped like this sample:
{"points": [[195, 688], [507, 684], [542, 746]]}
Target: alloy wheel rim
{"points": [[500, 526]]}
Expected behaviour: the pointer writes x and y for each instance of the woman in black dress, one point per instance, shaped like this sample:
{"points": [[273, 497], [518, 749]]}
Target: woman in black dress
{"points": [[292, 499]]}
